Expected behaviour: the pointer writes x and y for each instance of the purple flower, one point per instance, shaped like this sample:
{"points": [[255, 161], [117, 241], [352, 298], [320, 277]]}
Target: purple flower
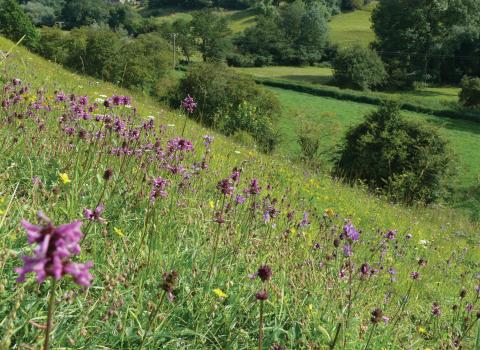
{"points": [[436, 310], [265, 273], [347, 250], [254, 188], [189, 104], [55, 247], [16, 82], [390, 234], [158, 189], [240, 199], [207, 140], [169, 283], [95, 215], [364, 269], [304, 221], [262, 295], [350, 231], [179, 144], [415, 275], [225, 186], [469, 308]]}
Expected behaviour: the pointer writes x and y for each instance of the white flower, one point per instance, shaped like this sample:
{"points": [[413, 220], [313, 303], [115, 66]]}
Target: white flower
{"points": [[423, 242], [237, 152]]}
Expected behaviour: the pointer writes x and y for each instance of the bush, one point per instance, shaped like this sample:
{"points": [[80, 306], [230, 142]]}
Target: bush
{"points": [[407, 161], [308, 136], [230, 102], [470, 93], [358, 67]]}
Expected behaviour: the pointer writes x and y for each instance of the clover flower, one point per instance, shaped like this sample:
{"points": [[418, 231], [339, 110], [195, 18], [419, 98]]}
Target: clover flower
{"points": [[52, 256]]}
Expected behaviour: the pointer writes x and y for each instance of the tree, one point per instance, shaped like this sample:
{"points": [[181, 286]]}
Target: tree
{"points": [[213, 32], [358, 67], [406, 160], [185, 37], [15, 24], [313, 36], [77, 13], [470, 93], [39, 13]]}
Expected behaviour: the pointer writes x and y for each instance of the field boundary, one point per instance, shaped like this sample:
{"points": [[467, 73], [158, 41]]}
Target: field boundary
{"points": [[348, 95]]}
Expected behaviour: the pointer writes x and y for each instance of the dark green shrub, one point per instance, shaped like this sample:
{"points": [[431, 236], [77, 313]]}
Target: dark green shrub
{"points": [[470, 93], [230, 102], [53, 44], [358, 67], [408, 161]]}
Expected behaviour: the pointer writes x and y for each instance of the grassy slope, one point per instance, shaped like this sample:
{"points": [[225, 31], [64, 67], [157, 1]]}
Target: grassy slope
{"points": [[198, 320], [336, 117]]}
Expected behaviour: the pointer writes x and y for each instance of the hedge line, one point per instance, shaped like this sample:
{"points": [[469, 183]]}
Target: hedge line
{"points": [[333, 92]]}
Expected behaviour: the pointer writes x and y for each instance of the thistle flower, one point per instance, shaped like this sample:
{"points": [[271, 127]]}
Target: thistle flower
{"points": [[56, 246], [189, 104], [95, 215], [169, 283]]}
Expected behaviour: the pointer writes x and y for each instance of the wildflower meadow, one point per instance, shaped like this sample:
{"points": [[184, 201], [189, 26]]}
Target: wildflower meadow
{"points": [[126, 226]]}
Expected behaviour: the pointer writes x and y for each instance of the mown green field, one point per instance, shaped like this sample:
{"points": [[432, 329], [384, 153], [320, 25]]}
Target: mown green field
{"points": [[351, 28], [336, 116]]}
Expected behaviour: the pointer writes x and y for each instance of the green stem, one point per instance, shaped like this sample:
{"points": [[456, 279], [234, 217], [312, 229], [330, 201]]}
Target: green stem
{"points": [[260, 327], [151, 318], [51, 303]]}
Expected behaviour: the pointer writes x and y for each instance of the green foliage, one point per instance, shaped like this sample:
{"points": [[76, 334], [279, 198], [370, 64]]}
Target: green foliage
{"points": [[40, 13], [139, 63], [77, 13], [198, 4], [470, 93], [358, 67], [425, 40], [231, 102], [296, 35], [15, 24], [408, 161], [213, 33]]}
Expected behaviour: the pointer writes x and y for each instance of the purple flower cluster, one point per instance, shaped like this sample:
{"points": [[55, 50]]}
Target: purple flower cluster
{"points": [[189, 104], [95, 215], [52, 256], [350, 232], [158, 189]]}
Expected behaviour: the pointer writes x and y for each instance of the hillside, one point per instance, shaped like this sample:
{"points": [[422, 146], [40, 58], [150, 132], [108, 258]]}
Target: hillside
{"points": [[170, 205]]}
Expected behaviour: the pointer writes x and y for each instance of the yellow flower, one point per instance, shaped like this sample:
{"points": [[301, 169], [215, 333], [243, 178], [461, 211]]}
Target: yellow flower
{"points": [[293, 230], [422, 330], [310, 308], [118, 232], [64, 178], [220, 293], [1, 212], [211, 204], [329, 212]]}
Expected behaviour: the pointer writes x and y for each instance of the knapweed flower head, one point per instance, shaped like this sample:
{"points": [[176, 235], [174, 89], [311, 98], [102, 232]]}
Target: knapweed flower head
{"points": [[189, 104], [95, 214], [169, 283], [350, 232], [56, 246], [415, 275]]}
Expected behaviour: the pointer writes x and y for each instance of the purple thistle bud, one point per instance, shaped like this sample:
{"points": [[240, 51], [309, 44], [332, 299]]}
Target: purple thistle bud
{"points": [[436, 309], [55, 247], [262, 295], [265, 273], [364, 269], [189, 104]]}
